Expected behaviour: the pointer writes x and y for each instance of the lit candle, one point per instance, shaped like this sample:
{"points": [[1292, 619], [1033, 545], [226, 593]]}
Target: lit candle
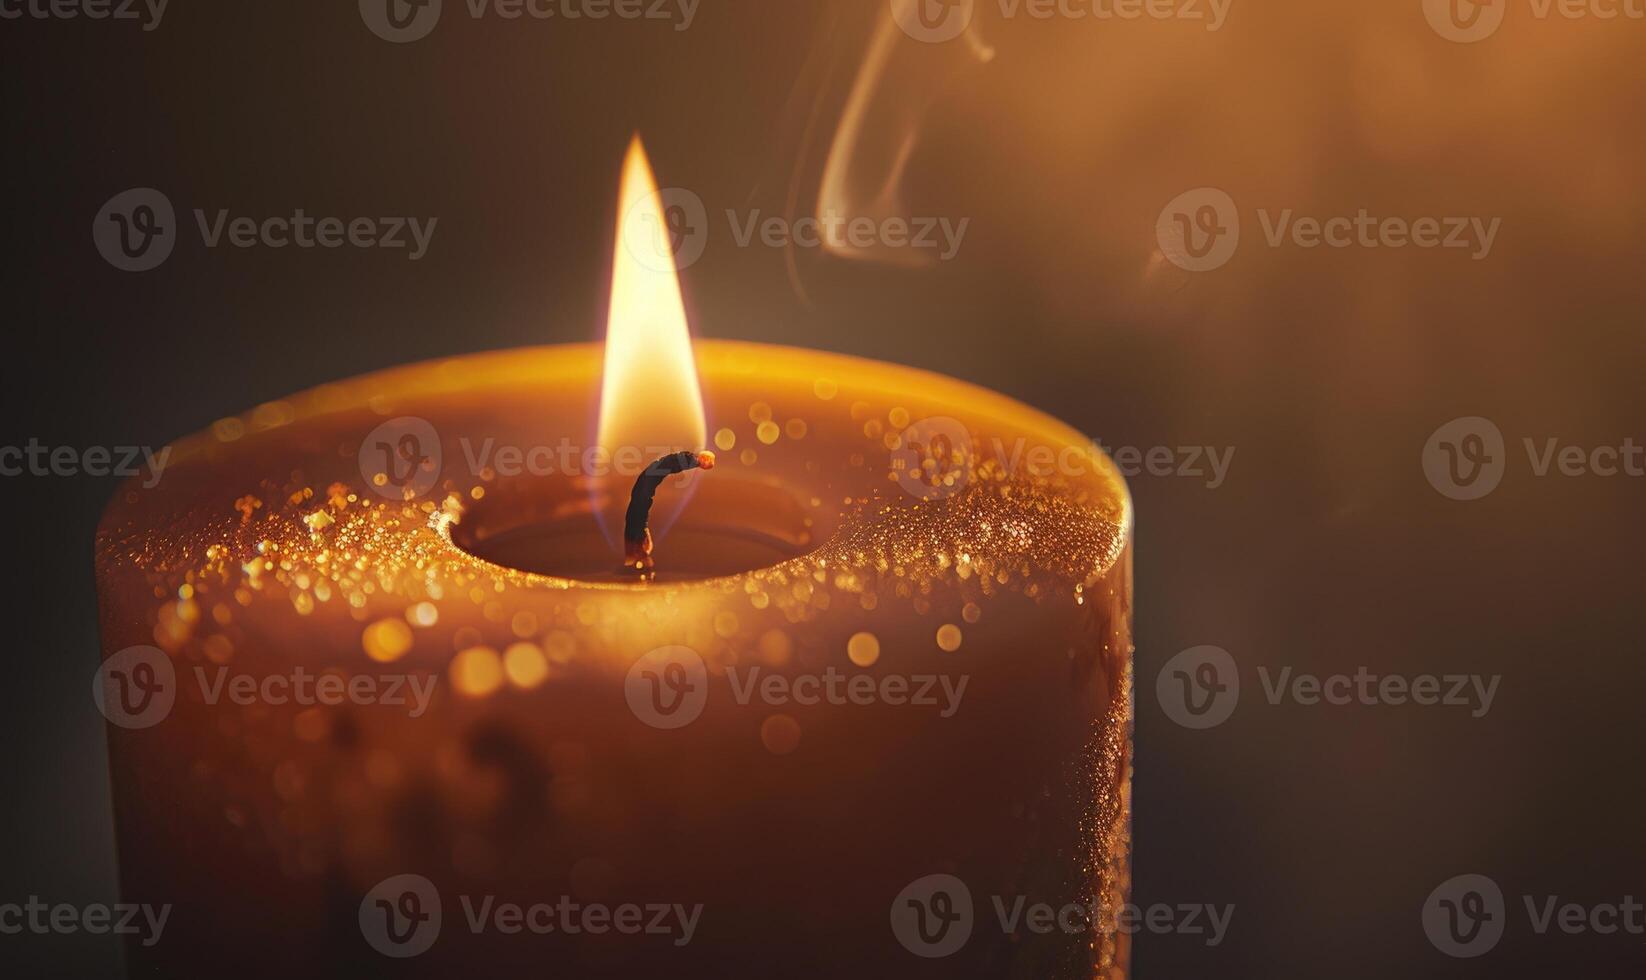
{"points": [[375, 677]]}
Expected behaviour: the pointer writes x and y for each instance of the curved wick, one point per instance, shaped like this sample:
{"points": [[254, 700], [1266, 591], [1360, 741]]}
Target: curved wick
{"points": [[637, 537]]}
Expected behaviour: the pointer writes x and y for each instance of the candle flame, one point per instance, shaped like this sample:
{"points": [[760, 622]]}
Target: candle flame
{"points": [[650, 401]]}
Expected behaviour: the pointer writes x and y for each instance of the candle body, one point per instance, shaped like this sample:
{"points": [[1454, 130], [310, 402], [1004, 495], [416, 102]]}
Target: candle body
{"points": [[848, 760]]}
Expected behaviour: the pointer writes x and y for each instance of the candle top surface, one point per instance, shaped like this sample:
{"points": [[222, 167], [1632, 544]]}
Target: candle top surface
{"points": [[864, 471]]}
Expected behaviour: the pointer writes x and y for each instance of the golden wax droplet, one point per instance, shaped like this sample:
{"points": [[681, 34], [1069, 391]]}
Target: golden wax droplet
{"points": [[493, 611], [303, 603], [748, 457], [948, 637], [386, 640], [724, 439], [780, 734], [477, 492], [863, 649], [972, 612], [796, 428], [760, 600], [873, 428], [869, 600], [477, 671], [775, 648], [768, 432], [825, 388], [892, 440], [524, 664], [725, 624], [423, 614], [898, 417], [222, 614], [760, 412], [188, 611], [524, 624]]}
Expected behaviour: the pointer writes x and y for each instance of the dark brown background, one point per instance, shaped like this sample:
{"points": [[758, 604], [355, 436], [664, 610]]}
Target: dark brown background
{"points": [[1327, 370]]}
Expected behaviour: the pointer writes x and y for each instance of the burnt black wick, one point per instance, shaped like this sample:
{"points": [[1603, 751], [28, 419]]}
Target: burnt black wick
{"points": [[637, 537]]}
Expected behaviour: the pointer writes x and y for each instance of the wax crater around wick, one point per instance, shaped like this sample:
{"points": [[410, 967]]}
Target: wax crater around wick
{"points": [[734, 524]]}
